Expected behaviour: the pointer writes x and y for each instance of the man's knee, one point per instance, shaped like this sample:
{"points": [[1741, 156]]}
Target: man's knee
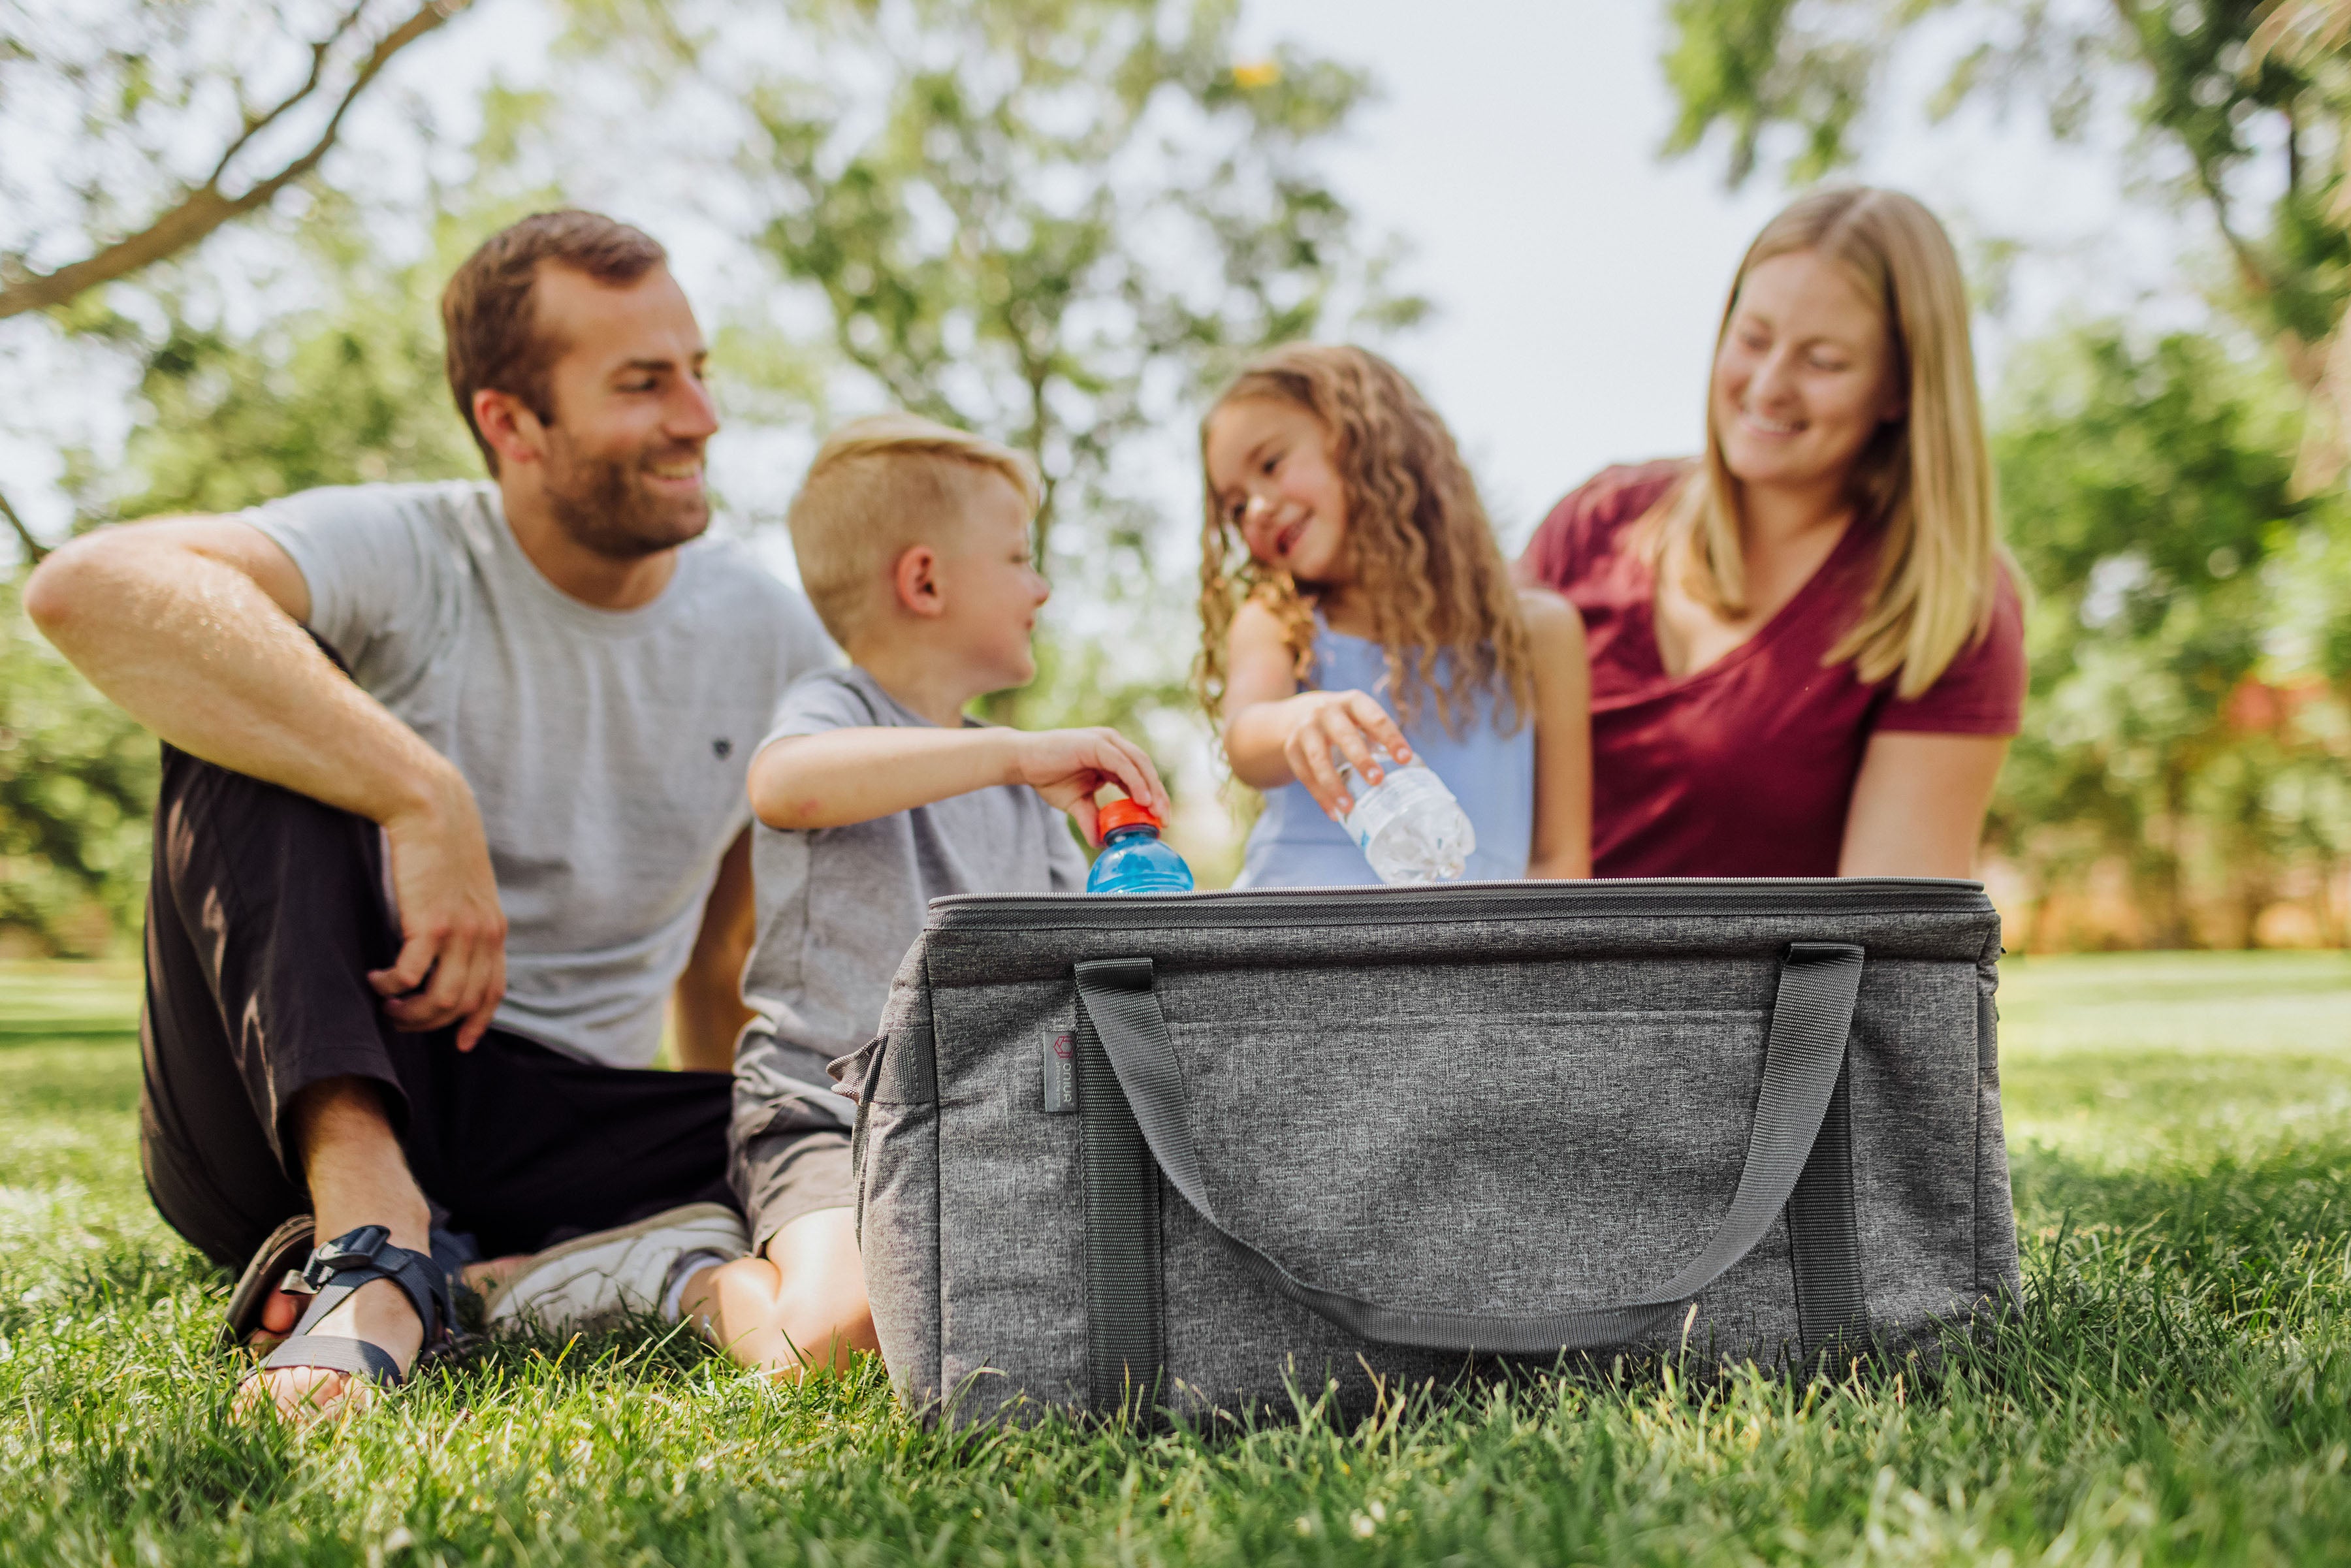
{"points": [[216, 826]]}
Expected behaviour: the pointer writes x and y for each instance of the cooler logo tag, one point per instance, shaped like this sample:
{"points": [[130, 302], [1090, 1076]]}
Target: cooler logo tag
{"points": [[1060, 1073]]}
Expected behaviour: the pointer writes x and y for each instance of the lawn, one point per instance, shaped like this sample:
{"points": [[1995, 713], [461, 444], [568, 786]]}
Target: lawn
{"points": [[2177, 1390]]}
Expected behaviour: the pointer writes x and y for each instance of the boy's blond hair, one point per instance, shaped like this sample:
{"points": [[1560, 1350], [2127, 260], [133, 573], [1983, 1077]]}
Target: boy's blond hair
{"points": [[878, 486]]}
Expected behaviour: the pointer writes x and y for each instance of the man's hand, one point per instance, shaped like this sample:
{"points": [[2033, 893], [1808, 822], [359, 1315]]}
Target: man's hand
{"points": [[1066, 766], [452, 966]]}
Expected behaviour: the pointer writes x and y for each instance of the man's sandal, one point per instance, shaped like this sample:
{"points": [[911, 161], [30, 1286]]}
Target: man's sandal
{"points": [[338, 1268], [276, 1266]]}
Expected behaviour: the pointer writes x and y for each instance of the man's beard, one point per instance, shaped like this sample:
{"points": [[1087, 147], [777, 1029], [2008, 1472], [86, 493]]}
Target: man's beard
{"points": [[602, 505]]}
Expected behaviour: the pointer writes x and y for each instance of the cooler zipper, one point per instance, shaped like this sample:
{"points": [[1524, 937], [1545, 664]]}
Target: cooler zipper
{"points": [[1459, 901]]}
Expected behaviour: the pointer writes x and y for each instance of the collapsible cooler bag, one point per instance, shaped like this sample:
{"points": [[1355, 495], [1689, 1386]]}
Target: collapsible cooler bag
{"points": [[1197, 1151]]}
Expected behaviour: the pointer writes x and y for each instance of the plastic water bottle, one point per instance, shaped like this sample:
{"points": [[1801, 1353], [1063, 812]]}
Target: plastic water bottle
{"points": [[1133, 860], [1408, 825]]}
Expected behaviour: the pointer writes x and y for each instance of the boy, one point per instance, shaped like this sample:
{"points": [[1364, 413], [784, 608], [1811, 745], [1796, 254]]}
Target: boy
{"points": [[874, 795]]}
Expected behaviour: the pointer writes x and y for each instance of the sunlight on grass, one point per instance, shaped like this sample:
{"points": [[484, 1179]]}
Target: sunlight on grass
{"points": [[2180, 1387]]}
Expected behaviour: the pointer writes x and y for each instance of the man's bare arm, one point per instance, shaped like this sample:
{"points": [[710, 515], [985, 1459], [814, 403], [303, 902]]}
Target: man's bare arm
{"points": [[708, 1011], [193, 625]]}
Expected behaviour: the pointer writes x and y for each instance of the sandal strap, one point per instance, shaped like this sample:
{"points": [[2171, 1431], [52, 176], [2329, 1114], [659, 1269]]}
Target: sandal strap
{"points": [[333, 1353], [361, 1257]]}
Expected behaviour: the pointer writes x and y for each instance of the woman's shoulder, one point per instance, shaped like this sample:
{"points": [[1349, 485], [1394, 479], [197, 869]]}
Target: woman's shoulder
{"points": [[1585, 525], [1982, 691]]}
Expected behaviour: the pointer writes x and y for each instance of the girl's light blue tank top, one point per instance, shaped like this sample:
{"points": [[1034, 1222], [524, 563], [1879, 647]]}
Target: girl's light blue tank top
{"points": [[1490, 773]]}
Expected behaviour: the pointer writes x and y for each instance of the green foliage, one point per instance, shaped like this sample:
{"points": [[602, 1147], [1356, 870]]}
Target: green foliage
{"points": [[76, 782], [1055, 222], [2186, 71], [2173, 724], [347, 392], [1738, 64], [2178, 1389]]}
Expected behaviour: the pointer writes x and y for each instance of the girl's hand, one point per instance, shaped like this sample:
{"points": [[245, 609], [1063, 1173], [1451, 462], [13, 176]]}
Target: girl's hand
{"points": [[1353, 723]]}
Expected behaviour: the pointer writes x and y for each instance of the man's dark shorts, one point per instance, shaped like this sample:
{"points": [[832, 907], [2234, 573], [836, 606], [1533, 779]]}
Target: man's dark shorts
{"points": [[266, 913]]}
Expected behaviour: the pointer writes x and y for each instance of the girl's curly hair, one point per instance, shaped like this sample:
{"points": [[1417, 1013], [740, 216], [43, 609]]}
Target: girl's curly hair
{"points": [[1418, 536]]}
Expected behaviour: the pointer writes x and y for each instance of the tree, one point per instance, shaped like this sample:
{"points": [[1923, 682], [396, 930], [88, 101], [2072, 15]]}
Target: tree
{"points": [[349, 389], [162, 78], [1052, 221], [157, 122], [77, 783], [2168, 729], [346, 390]]}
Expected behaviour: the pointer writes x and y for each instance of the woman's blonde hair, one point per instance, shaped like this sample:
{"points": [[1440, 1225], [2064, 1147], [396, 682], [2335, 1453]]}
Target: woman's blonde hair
{"points": [[1925, 480], [1417, 536]]}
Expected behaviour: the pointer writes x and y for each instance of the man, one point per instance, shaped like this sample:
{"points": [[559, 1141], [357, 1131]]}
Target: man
{"points": [[411, 931]]}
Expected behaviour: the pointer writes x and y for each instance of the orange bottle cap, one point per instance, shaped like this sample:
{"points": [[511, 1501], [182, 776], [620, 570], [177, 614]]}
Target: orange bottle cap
{"points": [[1126, 814]]}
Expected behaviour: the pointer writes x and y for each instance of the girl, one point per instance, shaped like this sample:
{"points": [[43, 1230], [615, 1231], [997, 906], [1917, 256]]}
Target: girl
{"points": [[1373, 610]]}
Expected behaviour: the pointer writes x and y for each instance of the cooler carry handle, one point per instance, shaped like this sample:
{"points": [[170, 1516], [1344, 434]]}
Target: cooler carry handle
{"points": [[1134, 1087]]}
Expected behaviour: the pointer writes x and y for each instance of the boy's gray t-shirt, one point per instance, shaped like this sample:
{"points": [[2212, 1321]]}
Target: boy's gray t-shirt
{"points": [[840, 906], [608, 750]]}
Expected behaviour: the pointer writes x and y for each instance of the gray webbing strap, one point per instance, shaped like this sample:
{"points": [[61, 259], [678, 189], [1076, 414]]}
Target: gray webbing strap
{"points": [[1825, 1240], [1125, 1345], [1119, 1018]]}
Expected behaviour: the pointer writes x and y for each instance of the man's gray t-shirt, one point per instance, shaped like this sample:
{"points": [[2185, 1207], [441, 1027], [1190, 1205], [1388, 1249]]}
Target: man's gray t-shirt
{"points": [[608, 750], [840, 906]]}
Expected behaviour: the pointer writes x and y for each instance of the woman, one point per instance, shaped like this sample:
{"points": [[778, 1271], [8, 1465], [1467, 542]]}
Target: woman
{"points": [[1807, 650]]}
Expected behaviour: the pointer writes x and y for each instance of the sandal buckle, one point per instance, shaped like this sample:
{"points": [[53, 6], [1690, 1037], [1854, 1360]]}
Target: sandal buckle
{"points": [[353, 1250]]}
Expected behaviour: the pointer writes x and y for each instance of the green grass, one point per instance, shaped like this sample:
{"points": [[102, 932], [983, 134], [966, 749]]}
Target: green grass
{"points": [[2180, 1389]]}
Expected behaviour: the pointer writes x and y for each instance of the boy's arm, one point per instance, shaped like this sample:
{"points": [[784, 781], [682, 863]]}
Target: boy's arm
{"points": [[802, 782], [1563, 836]]}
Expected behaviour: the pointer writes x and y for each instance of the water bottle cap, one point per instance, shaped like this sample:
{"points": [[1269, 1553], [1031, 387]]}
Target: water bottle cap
{"points": [[1126, 814]]}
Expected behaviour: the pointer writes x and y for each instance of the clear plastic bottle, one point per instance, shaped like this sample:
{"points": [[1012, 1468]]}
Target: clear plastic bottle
{"points": [[1408, 825], [1133, 860]]}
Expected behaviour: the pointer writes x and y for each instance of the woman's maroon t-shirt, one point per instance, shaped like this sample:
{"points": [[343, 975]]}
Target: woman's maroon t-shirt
{"points": [[1745, 768]]}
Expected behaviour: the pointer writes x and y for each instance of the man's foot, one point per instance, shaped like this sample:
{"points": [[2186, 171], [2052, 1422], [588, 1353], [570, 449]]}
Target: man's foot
{"points": [[378, 1313], [609, 1274], [375, 1307]]}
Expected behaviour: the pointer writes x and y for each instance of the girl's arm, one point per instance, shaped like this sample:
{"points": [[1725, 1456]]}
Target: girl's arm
{"points": [[1275, 733], [1563, 840], [1918, 804]]}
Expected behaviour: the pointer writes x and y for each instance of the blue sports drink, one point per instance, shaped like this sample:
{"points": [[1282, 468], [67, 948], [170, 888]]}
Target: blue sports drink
{"points": [[1133, 860]]}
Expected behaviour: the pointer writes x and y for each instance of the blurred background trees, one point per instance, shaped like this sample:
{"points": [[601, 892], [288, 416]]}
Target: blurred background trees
{"points": [[1058, 222]]}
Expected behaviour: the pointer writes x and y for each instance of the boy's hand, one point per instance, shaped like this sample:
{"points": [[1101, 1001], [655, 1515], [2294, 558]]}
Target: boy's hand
{"points": [[1351, 722], [1066, 766]]}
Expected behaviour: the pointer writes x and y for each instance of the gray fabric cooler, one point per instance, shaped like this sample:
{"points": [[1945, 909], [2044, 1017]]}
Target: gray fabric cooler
{"points": [[1196, 1150]]}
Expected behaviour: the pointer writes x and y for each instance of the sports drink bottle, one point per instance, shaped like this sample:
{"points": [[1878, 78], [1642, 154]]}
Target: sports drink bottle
{"points": [[1133, 860]]}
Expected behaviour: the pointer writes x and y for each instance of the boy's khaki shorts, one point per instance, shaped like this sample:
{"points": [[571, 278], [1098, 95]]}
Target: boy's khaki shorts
{"points": [[780, 1175]]}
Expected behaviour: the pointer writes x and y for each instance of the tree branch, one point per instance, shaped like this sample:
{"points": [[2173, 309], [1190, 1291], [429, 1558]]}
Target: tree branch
{"points": [[207, 207], [34, 549], [254, 124]]}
